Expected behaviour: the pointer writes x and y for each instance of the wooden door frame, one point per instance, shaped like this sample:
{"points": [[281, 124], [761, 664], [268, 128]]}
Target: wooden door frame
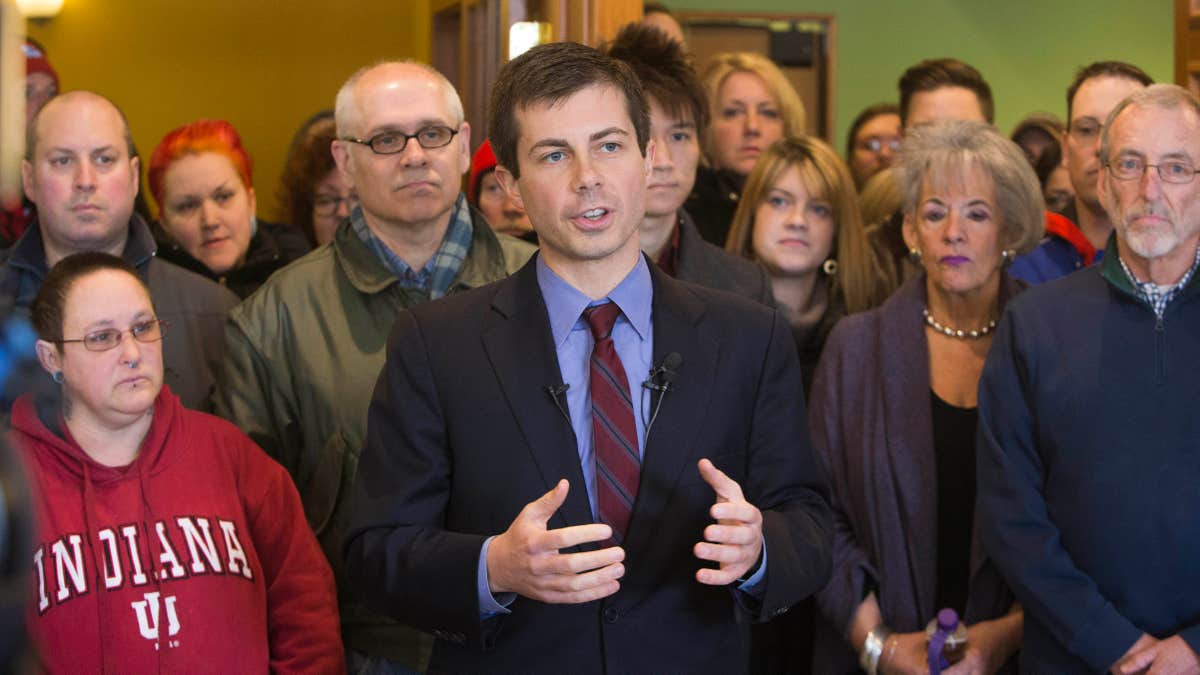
{"points": [[829, 20]]}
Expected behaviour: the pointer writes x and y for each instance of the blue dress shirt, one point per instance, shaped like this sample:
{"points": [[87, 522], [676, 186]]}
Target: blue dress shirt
{"points": [[633, 338]]}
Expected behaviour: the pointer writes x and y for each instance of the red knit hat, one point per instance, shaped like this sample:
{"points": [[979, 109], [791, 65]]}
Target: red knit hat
{"points": [[36, 61], [483, 162]]}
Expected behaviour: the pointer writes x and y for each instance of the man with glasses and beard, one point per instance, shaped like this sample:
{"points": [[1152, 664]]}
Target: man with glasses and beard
{"points": [[1087, 459]]}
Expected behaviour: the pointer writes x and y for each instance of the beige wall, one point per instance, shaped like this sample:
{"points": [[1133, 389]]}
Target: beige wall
{"points": [[265, 65]]}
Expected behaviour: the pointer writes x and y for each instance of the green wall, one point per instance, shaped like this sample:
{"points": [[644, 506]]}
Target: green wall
{"points": [[1028, 50]]}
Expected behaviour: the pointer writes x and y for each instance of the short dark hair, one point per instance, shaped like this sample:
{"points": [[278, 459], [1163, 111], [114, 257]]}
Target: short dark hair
{"points": [[937, 73], [869, 113], [663, 68], [550, 73], [1120, 69], [46, 313], [656, 8]]}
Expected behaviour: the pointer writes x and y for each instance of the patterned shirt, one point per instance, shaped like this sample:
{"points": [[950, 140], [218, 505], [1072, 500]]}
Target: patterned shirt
{"points": [[1159, 296], [439, 273]]}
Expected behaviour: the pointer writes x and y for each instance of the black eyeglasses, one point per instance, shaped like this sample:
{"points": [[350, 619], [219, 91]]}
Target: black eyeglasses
{"points": [[109, 338], [1133, 168], [392, 142]]}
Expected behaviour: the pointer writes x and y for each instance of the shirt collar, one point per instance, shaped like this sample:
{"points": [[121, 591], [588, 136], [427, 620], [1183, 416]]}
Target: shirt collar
{"points": [[565, 303]]}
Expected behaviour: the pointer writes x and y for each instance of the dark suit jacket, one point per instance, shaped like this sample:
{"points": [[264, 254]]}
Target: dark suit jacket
{"points": [[707, 265], [462, 434], [872, 425]]}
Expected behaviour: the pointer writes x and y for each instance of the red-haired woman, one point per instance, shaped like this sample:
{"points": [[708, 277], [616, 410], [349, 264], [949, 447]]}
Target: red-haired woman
{"points": [[200, 176]]}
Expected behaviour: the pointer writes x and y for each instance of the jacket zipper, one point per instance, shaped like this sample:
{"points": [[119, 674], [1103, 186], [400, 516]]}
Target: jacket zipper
{"points": [[1160, 347]]}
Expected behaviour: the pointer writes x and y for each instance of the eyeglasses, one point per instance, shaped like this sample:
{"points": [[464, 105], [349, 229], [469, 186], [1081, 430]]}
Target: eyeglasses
{"points": [[392, 142], [876, 144], [327, 205], [104, 340], [1133, 168]]}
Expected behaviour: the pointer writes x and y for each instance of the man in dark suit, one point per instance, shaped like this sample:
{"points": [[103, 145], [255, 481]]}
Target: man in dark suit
{"points": [[517, 496]]}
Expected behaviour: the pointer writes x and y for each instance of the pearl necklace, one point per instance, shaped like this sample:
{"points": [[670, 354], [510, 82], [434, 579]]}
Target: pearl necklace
{"points": [[956, 333]]}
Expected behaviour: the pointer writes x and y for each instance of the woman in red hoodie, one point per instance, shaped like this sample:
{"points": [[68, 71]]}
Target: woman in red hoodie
{"points": [[167, 541]]}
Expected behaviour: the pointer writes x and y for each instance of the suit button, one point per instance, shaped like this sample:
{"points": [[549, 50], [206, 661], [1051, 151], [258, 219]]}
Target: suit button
{"points": [[611, 614]]}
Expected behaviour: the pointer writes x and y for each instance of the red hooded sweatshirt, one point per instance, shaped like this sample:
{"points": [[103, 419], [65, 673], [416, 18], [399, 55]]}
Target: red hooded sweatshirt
{"points": [[194, 558]]}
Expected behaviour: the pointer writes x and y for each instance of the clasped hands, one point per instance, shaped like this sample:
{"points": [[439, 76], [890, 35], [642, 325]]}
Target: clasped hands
{"points": [[526, 558]]}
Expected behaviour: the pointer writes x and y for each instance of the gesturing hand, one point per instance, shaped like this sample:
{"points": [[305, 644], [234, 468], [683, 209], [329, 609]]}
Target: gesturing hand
{"points": [[735, 541], [525, 559]]}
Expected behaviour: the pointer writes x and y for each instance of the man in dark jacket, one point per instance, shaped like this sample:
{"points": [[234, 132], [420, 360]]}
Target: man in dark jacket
{"points": [[81, 172], [1077, 239], [1087, 463], [462, 523], [678, 117]]}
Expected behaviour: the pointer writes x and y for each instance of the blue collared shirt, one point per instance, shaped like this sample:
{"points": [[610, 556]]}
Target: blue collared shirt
{"points": [[633, 338]]}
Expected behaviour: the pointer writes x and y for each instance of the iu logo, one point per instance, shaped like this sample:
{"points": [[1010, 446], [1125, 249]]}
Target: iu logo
{"points": [[148, 621]]}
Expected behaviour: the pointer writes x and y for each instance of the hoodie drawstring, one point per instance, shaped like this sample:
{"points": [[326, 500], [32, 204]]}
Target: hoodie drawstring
{"points": [[103, 620], [155, 548]]}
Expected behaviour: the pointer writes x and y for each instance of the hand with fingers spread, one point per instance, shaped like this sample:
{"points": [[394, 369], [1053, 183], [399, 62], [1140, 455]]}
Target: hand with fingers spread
{"points": [[736, 540], [526, 560]]}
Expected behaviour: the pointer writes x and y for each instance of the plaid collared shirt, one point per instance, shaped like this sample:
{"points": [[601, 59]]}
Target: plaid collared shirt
{"points": [[438, 274], [1159, 296]]}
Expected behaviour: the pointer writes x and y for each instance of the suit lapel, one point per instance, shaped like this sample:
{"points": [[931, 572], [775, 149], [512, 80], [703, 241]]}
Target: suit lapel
{"points": [[521, 350], [909, 424], [671, 446]]}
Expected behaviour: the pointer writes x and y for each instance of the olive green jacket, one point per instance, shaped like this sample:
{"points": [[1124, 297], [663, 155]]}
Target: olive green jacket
{"points": [[301, 358]]}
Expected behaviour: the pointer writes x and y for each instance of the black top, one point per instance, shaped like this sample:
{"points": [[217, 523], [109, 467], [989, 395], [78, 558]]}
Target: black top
{"points": [[713, 201], [273, 246], [954, 448]]}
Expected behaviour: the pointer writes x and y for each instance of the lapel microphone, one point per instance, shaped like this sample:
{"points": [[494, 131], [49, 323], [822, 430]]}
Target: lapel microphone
{"points": [[660, 380], [663, 375], [556, 392]]}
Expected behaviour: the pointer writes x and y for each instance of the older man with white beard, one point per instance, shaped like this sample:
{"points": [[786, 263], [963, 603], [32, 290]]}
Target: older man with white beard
{"points": [[1088, 433]]}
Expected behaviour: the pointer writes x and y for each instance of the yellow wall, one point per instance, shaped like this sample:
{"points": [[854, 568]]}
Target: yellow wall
{"points": [[265, 65]]}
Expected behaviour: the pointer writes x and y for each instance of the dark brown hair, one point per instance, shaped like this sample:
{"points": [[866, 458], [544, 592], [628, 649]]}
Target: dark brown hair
{"points": [[937, 73], [1120, 69], [308, 161], [869, 113], [551, 73], [46, 313], [664, 71]]}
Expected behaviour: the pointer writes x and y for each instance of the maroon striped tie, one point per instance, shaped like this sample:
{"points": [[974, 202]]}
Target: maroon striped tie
{"points": [[614, 433]]}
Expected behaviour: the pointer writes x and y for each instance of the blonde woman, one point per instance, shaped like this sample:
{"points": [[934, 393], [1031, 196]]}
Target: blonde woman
{"points": [[798, 216], [752, 105]]}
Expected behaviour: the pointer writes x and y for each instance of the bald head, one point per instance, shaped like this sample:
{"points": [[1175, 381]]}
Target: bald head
{"points": [[76, 103], [348, 108], [81, 173]]}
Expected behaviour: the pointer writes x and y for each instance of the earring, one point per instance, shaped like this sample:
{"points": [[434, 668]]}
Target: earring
{"points": [[1008, 255], [915, 254], [830, 266], [57, 376]]}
